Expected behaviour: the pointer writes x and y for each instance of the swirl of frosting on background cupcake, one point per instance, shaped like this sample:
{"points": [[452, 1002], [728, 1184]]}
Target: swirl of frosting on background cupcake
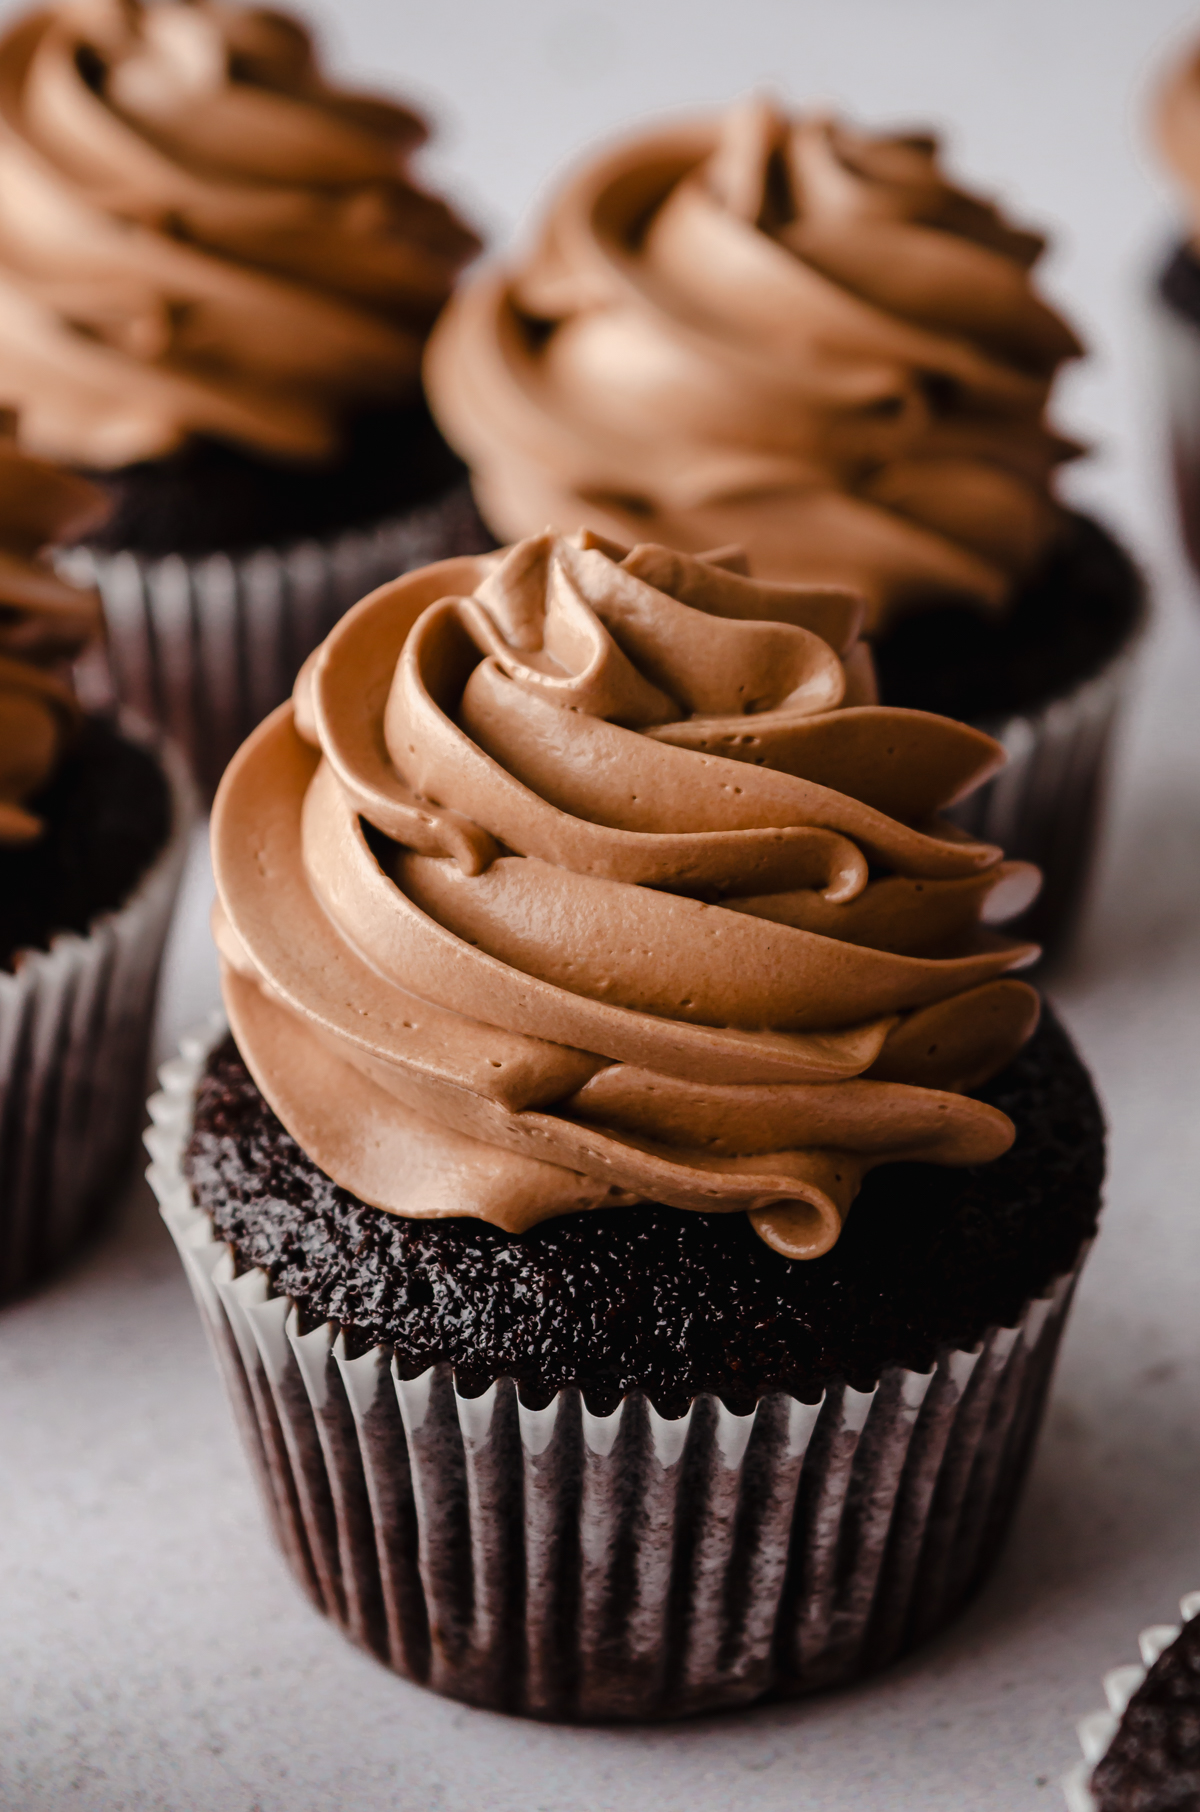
{"points": [[776, 332], [44, 624], [1178, 124], [200, 235], [583, 877]]}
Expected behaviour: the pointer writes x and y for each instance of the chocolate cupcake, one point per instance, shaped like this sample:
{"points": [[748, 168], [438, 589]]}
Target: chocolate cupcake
{"points": [[1143, 1753], [781, 334], [1177, 317], [93, 823], [632, 1209], [216, 279]]}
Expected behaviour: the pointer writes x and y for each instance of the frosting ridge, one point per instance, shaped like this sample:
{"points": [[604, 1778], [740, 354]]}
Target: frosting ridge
{"points": [[45, 623], [200, 234], [774, 331], [578, 875]]}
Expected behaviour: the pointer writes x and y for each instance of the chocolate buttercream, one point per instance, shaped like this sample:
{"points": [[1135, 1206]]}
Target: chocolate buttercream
{"points": [[577, 876], [1177, 121], [200, 235], [44, 624], [777, 332]]}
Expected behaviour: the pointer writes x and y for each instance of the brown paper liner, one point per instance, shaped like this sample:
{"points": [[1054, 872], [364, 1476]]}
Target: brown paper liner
{"points": [[1046, 803], [207, 646], [566, 1565], [75, 1024]]}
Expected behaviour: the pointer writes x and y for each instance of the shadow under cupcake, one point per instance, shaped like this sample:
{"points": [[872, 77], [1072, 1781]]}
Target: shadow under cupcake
{"points": [[633, 1209]]}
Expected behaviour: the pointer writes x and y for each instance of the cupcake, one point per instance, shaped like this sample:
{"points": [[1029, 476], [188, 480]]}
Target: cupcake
{"points": [[1178, 290], [216, 279], [1143, 1753], [93, 822], [781, 334], [631, 1204]]}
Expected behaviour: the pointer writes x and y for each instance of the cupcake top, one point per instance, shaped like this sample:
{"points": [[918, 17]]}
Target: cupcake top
{"points": [[777, 331], [44, 624], [581, 876], [200, 235]]}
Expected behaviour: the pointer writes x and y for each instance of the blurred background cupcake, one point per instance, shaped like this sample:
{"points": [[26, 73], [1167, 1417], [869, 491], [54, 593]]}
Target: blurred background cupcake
{"points": [[1142, 1753], [1177, 128], [777, 332], [93, 823], [637, 1207], [217, 275]]}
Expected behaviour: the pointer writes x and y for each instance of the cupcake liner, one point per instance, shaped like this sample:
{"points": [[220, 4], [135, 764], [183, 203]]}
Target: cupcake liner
{"points": [[207, 646], [75, 1023], [1045, 804], [568, 1565], [1097, 1730]]}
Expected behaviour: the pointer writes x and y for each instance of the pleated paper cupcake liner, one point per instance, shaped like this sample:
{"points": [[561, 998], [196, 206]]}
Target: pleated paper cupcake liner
{"points": [[567, 1565], [1097, 1730], [75, 1024], [206, 647], [1046, 804]]}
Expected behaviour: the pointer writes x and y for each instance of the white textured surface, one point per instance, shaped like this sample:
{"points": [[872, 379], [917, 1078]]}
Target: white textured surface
{"points": [[153, 1654]]}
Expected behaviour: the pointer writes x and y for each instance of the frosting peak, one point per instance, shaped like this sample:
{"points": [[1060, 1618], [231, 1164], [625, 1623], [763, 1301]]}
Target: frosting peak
{"points": [[778, 332], [44, 624], [580, 875], [200, 234]]}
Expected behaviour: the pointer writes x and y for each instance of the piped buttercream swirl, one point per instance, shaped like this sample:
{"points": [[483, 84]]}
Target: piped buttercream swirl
{"points": [[44, 624], [777, 332], [200, 235], [578, 876]]}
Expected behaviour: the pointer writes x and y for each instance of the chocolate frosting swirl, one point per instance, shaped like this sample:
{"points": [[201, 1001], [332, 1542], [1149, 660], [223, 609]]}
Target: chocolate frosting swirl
{"points": [[579, 876], [44, 624], [1178, 125], [776, 332], [199, 234]]}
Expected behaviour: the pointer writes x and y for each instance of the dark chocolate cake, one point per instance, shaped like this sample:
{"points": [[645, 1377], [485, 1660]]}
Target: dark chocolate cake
{"points": [[1153, 1762], [107, 814], [1065, 626], [666, 1300], [212, 495], [1179, 289], [1180, 282]]}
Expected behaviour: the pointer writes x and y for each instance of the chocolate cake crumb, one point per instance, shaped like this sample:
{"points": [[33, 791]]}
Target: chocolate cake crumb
{"points": [[107, 814], [1180, 282], [1153, 1762], [672, 1301], [1061, 629], [210, 495]]}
